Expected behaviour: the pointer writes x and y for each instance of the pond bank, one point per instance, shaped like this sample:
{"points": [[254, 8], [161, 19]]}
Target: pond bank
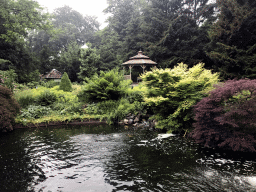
{"points": [[47, 124]]}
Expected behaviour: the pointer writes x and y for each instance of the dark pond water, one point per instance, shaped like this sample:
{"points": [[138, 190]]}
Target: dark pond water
{"points": [[106, 158]]}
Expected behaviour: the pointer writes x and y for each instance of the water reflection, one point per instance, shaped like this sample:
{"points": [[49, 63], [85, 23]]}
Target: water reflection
{"points": [[106, 158]]}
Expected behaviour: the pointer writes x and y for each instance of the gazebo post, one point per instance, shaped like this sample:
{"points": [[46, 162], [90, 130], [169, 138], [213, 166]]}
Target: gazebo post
{"points": [[143, 67], [130, 67]]}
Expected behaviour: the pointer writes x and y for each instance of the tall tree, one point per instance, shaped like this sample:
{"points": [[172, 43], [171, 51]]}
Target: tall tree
{"points": [[20, 16], [182, 35], [199, 10], [69, 61], [162, 29], [108, 45], [90, 62], [183, 24], [124, 22], [234, 39], [73, 26], [17, 18], [68, 26], [121, 13]]}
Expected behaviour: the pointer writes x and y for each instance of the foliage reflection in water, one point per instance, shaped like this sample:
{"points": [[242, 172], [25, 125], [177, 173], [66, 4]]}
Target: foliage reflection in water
{"points": [[107, 158]]}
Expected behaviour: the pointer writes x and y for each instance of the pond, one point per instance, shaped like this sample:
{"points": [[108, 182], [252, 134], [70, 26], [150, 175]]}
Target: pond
{"points": [[108, 158]]}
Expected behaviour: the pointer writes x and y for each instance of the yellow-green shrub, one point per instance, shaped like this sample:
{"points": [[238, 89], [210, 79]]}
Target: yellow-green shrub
{"points": [[172, 92], [63, 96], [140, 87], [35, 96], [25, 97]]}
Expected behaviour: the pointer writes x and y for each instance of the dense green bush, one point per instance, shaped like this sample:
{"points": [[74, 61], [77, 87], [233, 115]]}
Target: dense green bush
{"points": [[32, 84], [135, 96], [65, 83], [171, 93], [101, 108], [49, 104], [106, 86], [20, 87], [46, 98], [49, 84], [114, 111], [68, 108], [9, 108]]}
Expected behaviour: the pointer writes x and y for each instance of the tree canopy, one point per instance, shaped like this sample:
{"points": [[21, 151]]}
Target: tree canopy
{"points": [[17, 19], [220, 34]]}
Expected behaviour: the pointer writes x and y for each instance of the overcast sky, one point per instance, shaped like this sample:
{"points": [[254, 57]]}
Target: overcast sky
{"points": [[85, 7]]}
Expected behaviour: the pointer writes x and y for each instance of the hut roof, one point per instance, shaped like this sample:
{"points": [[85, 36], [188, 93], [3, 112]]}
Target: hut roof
{"points": [[53, 74], [140, 59]]}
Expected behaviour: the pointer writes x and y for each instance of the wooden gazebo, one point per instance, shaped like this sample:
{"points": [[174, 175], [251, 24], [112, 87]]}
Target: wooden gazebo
{"points": [[138, 60]]}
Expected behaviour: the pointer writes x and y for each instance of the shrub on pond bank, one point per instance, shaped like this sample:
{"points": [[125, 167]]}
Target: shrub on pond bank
{"points": [[109, 85], [9, 108], [35, 112], [52, 101], [44, 96], [227, 117], [114, 111], [172, 92]]}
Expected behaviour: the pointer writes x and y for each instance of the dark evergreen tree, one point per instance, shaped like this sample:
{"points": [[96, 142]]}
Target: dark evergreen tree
{"points": [[122, 11], [90, 61], [233, 39], [185, 33], [108, 46], [69, 60], [198, 10]]}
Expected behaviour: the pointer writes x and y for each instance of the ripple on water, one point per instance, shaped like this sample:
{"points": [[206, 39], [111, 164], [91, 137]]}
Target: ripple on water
{"points": [[82, 167]]}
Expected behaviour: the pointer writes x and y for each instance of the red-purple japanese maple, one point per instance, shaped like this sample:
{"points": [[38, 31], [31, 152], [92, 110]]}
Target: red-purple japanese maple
{"points": [[227, 117], [9, 108]]}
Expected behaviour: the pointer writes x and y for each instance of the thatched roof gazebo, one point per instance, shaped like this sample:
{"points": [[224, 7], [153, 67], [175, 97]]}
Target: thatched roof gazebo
{"points": [[54, 74], [138, 60]]}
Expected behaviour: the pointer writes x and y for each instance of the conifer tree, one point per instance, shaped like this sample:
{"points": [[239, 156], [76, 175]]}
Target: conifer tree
{"points": [[65, 83], [89, 63], [233, 39]]}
